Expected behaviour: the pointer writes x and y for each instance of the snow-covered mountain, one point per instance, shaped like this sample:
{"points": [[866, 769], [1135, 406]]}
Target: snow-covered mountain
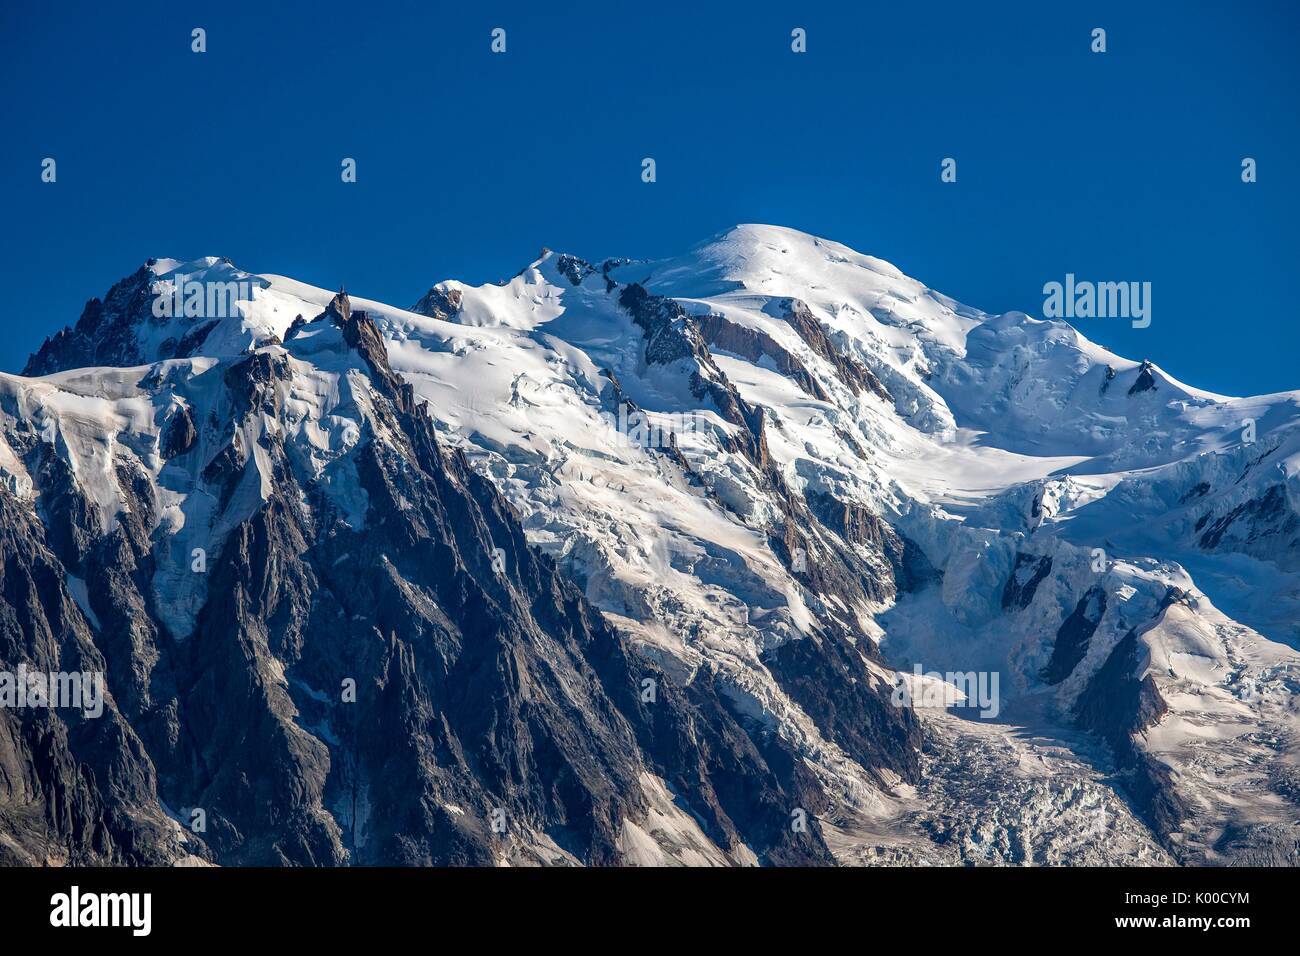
{"points": [[774, 495]]}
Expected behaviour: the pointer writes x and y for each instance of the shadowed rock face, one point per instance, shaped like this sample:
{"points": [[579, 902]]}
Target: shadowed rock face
{"points": [[1118, 706], [754, 345], [419, 687], [855, 375], [1145, 381], [1256, 525], [1075, 632], [73, 790], [439, 304], [105, 333], [671, 335], [908, 567], [179, 435], [1029, 572]]}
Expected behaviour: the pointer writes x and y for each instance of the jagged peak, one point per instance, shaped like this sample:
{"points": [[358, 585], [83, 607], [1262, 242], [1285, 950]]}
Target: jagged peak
{"points": [[339, 311]]}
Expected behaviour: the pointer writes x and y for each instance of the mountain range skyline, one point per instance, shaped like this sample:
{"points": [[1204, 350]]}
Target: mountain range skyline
{"points": [[1122, 166]]}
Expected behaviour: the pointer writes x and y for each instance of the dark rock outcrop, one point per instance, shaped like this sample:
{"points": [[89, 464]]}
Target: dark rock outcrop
{"points": [[672, 334], [106, 332], [574, 269], [1028, 573], [853, 373], [1264, 524], [910, 568], [1073, 635], [440, 304], [179, 434], [74, 789], [1118, 705], [754, 345], [1145, 381]]}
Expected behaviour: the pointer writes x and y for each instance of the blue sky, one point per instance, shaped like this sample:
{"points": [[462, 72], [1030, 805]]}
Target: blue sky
{"points": [[1115, 167]]}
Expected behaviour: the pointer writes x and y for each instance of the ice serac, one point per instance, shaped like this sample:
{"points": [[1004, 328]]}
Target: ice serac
{"points": [[632, 559]]}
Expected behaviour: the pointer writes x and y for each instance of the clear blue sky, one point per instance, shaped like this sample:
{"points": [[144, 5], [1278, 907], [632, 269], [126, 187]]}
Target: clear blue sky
{"points": [[1122, 166]]}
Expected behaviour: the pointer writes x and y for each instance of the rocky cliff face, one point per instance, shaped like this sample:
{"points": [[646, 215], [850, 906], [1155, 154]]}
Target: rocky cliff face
{"points": [[377, 667], [74, 789], [106, 332]]}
